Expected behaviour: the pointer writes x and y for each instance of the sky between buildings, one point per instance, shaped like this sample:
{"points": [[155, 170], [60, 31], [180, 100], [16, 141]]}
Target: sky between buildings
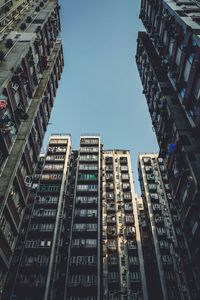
{"points": [[100, 90]]}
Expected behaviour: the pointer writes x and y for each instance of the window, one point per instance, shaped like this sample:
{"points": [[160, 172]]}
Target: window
{"points": [[112, 244], [154, 197], [112, 259], [127, 196], [130, 230], [91, 243], [125, 176], [86, 243], [91, 187], [129, 219], [83, 260], [7, 231], [124, 168], [131, 244], [89, 141], [150, 177], [166, 259], [152, 187], [125, 186], [91, 227], [110, 196], [89, 149], [113, 276], [74, 280], [86, 213], [135, 276], [88, 158], [111, 219], [85, 199], [79, 227], [133, 260]]}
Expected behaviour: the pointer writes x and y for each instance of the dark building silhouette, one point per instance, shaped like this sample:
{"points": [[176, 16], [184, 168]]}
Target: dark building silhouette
{"points": [[31, 62], [80, 237], [168, 59], [168, 271]]}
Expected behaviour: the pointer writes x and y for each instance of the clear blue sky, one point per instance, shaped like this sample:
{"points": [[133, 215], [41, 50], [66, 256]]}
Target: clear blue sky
{"points": [[100, 90]]}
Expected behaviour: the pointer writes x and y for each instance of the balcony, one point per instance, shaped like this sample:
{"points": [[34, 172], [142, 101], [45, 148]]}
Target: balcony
{"points": [[135, 277], [158, 220], [89, 149], [109, 168], [86, 213], [128, 207], [111, 230], [56, 150], [14, 212], [33, 244], [89, 142], [82, 280], [127, 197], [124, 169], [123, 161], [44, 213], [85, 227], [88, 167], [51, 177], [132, 245], [109, 177], [161, 232], [109, 187], [113, 277], [152, 188], [110, 196], [125, 177], [88, 177], [110, 207], [79, 261], [53, 167], [111, 219], [46, 200], [129, 219], [41, 227], [87, 188], [109, 160], [84, 243], [150, 177], [112, 245], [134, 260], [126, 187], [86, 200], [88, 158], [33, 280], [49, 188], [166, 259], [146, 161], [112, 260], [130, 231], [55, 158]]}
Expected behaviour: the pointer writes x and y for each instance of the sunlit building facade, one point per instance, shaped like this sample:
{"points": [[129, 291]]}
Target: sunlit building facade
{"points": [[123, 267]]}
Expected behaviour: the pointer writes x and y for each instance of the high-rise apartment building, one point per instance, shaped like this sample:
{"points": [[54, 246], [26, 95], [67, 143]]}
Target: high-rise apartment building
{"points": [[168, 62], [83, 272], [31, 62], [123, 266], [168, 271], [80, 236], [34, 266]]}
